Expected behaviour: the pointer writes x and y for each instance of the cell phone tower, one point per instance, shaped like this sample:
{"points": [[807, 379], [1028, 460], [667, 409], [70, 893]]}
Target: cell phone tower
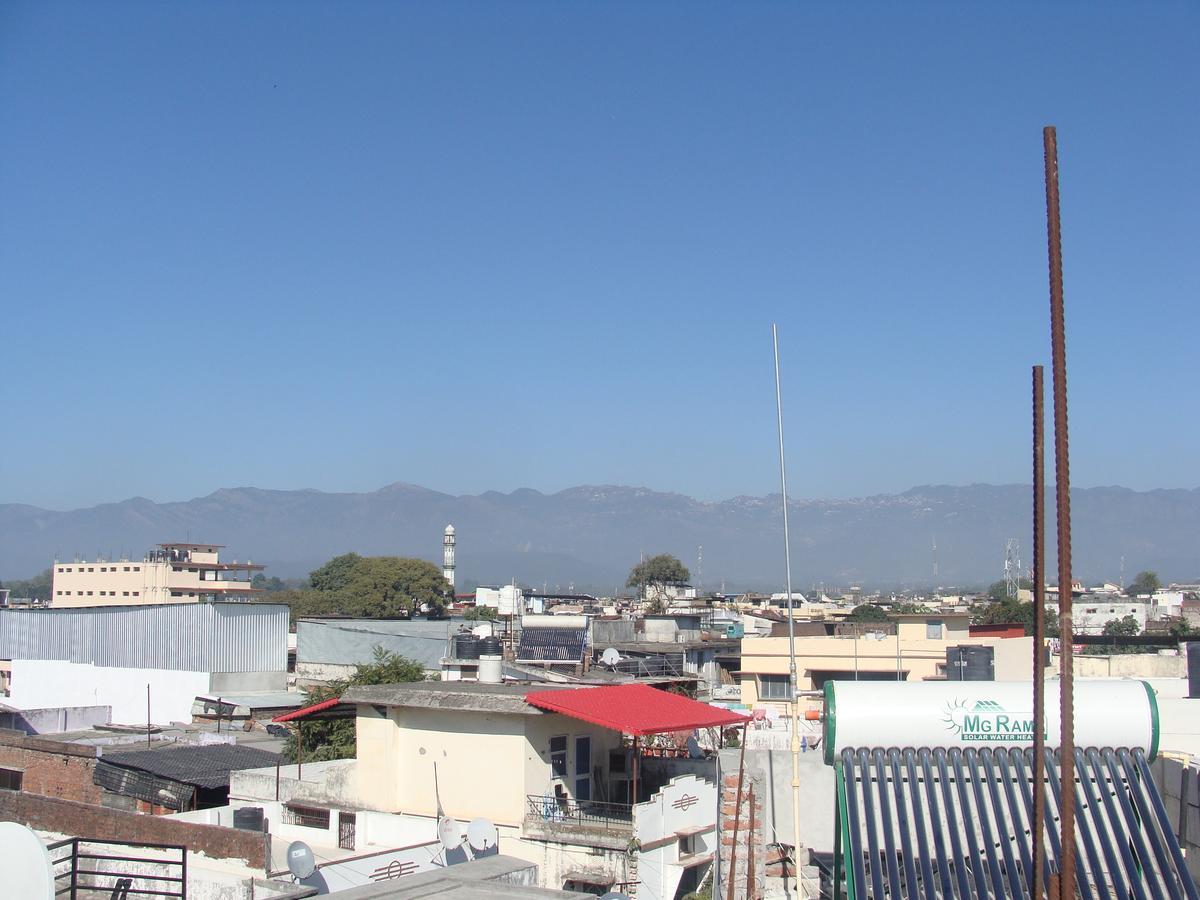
{"points": [[1012, 569]]}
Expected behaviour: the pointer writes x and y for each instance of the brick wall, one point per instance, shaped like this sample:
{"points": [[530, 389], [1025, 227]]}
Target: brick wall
{"points": [[51, 768], [86, 821], [750, 845]]}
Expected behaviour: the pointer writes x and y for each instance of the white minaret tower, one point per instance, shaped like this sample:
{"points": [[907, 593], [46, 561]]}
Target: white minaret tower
{"points": [[448, 555]]}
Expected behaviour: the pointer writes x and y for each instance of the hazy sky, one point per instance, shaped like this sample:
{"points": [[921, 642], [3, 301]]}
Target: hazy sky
{"points": [[486, 246]]}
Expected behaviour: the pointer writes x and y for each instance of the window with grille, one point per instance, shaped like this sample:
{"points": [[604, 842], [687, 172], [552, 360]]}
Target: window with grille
{"points": [[558, 756], [773, 687], [308, 816]]}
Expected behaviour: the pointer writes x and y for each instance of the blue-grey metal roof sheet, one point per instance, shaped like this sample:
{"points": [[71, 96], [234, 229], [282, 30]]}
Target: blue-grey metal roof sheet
{"points": [[939, 824], [194, 637], [352, 642]]}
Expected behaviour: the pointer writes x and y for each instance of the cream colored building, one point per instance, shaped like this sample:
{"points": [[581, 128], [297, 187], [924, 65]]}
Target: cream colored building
{"points": [[170, 573], [914, 650], [557, 788]]}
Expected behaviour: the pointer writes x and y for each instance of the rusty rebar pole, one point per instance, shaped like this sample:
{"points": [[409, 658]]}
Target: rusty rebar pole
{"points": [[1062, 494], [1038, 838]]}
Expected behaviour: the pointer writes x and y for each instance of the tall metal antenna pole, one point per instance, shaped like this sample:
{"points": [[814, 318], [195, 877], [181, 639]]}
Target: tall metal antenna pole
{"points": [[1062, 492], [1039, 636], [787, 561]]}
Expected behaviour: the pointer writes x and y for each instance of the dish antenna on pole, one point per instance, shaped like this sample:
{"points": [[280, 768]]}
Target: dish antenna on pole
{"points": [[482, 836], [449, 833], [300, 859], [610, 657]]}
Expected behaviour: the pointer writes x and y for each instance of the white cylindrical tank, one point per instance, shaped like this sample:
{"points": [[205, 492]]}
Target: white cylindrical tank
{"points": [[491, 669], [979, 714]]}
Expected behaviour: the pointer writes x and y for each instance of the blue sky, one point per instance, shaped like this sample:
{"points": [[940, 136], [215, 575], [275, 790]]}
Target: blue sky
{"points": [[487, 246]]}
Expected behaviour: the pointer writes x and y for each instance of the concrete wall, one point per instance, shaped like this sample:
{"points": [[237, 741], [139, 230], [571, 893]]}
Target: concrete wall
{"points": [[1178, 780], [55, 720], [1129, 665], [45, 682], [249, 848], [41, 683]]}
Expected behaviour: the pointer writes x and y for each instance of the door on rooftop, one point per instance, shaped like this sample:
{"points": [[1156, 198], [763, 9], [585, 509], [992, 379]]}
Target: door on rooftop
{"points": [[583, 767], [346, 822]]}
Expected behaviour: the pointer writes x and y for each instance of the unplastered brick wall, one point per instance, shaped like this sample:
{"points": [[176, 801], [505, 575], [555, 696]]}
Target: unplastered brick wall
{"points": [[51, 768], [251, 848], [749, 846]]}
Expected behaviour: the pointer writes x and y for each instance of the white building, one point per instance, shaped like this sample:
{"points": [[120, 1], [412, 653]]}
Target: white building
{"points": [[170, 573], [1091, 612], [128, 656], [448, 545]]}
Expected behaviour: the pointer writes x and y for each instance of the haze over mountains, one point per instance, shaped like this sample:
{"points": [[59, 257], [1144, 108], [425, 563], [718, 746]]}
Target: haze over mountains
{"points": [[589, 536]]}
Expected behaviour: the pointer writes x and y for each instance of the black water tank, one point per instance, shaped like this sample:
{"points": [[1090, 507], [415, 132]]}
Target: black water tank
{"points": [[466, 646], [490, 646], [248, 818], [1193, 667], [970, 663]]}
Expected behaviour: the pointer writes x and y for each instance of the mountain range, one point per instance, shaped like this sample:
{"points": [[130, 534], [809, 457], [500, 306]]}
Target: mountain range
{"points": [[588, 537]]}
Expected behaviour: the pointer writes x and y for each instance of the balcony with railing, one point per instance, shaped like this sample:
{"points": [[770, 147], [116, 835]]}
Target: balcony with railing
{"points": [[593, 823]]}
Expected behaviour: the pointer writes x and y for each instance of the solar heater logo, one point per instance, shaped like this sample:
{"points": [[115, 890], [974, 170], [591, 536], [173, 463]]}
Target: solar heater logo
{"points": [[987, 721]]}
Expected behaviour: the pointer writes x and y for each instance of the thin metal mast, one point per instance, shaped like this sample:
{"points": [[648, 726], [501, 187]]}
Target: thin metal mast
{"points": [[787, 559]]}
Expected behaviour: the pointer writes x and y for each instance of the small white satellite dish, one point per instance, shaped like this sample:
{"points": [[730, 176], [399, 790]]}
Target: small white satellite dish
{"points": [[28, 871], [301, 861], [449, 833], [482, 835], [610, 657]]}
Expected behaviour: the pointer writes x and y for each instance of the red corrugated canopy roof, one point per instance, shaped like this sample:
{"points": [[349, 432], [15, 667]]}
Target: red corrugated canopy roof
{"points": [[635, 709]]}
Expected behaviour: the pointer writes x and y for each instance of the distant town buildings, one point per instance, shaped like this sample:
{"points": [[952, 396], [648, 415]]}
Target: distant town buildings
{"points": [[170, 573]]}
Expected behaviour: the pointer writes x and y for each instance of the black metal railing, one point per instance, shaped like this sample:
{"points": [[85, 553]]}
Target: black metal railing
{"points": [[553, 812], [86, 864]]}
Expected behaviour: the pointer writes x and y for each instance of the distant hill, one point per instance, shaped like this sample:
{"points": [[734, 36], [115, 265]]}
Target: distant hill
{"points": [[590, 536]]}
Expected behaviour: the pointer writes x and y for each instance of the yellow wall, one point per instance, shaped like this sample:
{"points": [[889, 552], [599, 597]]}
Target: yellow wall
{"points": [[486, 762], [919, 657]]}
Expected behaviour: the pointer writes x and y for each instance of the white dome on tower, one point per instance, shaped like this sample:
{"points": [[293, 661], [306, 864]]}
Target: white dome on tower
{"points": [[449, 529]]}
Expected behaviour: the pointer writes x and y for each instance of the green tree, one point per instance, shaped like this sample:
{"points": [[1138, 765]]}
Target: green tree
{"points": [[652, 576], [372, 586], [1126, 626], [323, 739], [998, 590], [908, 608], [868, 612], [37, 587], [335, 574], [263, 583], [1144, 583], [481, 613]]}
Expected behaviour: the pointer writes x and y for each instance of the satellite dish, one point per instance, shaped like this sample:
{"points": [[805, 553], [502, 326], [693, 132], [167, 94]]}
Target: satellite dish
{"points": [[301, 861], [610, 657], [28, 871], [482, 835], [449, 833]]}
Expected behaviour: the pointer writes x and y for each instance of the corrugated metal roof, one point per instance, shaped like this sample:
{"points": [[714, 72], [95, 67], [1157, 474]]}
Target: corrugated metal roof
{"points": [[937, 824], [204, 765], [195, 637], [352, 642], [636, 709]]}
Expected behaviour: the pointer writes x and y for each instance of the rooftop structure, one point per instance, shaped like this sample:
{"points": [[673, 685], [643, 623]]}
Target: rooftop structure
{"points": [[170, 573]]}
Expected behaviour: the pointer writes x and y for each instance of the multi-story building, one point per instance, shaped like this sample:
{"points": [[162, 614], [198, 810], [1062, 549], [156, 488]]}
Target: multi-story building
{"points": [[170, 573], [909, 647]]}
